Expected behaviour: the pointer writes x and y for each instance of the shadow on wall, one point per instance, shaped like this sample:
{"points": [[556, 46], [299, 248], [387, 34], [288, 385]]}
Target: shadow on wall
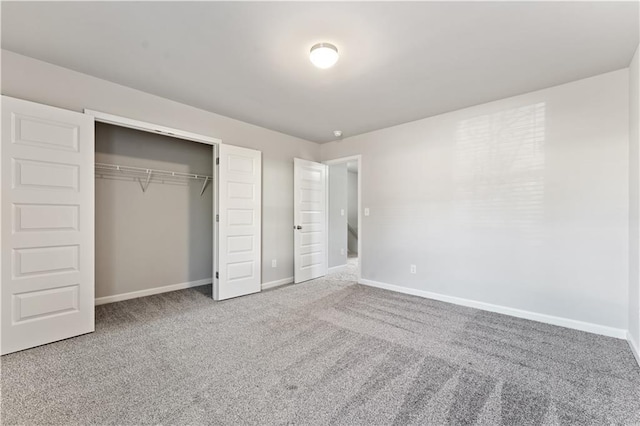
{"points": [[499, 168]]}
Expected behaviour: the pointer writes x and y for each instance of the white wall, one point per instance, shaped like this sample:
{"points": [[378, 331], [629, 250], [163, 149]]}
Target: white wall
{"points": [[634, 203], [38, 81], [520, 203], [337, 215], [352, 197], [160, 237]]}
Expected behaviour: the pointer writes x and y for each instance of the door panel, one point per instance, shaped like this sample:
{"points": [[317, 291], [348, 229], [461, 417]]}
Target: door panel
{"points": [[47, 224], [310, 217], [239, 251]]}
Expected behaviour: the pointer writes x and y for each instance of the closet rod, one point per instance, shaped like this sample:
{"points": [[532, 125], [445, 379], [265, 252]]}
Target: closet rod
{"points": [[158, 174], [154, 172]]}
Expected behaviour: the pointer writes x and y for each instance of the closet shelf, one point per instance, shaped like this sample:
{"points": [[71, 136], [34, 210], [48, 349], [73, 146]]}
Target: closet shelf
{"points": [[140, 173]]}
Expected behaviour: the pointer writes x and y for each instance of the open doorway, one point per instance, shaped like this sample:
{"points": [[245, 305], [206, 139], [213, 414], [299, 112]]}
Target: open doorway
{"points": [[153, 213], [344, 201], [352, 214]]}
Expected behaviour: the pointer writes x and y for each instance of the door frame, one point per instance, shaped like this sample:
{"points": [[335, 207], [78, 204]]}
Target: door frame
{"points": [[343, 160], [103, 117]]}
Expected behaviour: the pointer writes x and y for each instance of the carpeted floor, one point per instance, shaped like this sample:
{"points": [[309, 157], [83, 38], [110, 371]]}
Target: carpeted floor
{"points": [[322, 352]]}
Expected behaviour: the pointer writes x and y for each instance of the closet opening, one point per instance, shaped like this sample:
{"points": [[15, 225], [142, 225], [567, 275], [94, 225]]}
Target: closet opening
{"points": [[155, 208], [344, 218]]}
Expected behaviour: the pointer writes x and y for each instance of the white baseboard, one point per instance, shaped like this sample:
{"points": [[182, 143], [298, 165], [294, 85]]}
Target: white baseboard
{"points": [[544, 318], [276, 283], [149, 292], [635, 347], [335, 269]]}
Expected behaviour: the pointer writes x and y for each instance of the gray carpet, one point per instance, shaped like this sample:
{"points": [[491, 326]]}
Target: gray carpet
{"points": [[323, 352]]}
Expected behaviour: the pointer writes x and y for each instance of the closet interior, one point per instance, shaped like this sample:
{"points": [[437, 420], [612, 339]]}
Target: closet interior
{"points": [[153, 213]]}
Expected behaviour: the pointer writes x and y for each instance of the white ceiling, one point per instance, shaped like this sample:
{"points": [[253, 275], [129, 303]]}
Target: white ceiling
{"points": [[399, 61]]}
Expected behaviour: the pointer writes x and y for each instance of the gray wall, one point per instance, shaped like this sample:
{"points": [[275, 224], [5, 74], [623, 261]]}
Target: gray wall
{"points": [[352, 202], [634, 202], [520, 203], [337, 221], [38, 81], [158, 237]]}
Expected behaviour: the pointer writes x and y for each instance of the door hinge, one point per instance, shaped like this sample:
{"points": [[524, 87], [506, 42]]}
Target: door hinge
{"points": [[217, 161], [217, 218], [217, 276]]}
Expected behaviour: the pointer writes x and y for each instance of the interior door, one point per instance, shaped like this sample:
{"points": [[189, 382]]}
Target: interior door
{"points": [[47, 224], [240, 220], [310, 219]]}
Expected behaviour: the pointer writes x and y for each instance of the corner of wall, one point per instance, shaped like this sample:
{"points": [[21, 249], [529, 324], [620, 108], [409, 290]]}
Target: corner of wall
{"points": [[633, 335]]}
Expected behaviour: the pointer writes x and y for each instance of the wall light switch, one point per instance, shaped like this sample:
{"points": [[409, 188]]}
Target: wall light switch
{"points": [[366, 211], [342, 251], [341, 212], [274, 263], [413, 269]]}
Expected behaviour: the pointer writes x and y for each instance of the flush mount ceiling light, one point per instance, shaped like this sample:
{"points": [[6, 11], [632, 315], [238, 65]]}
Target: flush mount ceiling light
{"points": [[323, 55]]}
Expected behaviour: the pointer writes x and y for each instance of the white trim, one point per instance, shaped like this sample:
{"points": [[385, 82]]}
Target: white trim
{"points": [[343, 160], [534, 316], [635, 347], [326, 219], [104, 117], [216, 213], [150, 291], [360, 215], [335, 269], [358, 158], [277, 283]]}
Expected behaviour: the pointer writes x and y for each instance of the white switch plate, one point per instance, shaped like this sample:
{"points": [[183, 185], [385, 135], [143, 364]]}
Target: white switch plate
{"points": [[366, 211], [341, 212], [413, 269], [342, 251], [274, 263]]}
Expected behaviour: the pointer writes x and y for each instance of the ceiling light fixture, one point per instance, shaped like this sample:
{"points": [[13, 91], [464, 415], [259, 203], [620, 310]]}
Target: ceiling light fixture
{"points": [[323, 55]]}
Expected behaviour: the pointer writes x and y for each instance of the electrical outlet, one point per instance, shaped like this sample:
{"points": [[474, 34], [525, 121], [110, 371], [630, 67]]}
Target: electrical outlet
{"points": [[342, 251], [274, 263], [413, 269], [341, 212]]}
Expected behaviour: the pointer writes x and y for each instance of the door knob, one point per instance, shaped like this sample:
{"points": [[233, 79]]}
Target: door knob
{"points": [[298, 227]]}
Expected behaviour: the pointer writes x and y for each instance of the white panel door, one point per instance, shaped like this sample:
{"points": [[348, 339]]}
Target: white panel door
{"points": [[47, 224], [240, 206], [310, 219]]}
